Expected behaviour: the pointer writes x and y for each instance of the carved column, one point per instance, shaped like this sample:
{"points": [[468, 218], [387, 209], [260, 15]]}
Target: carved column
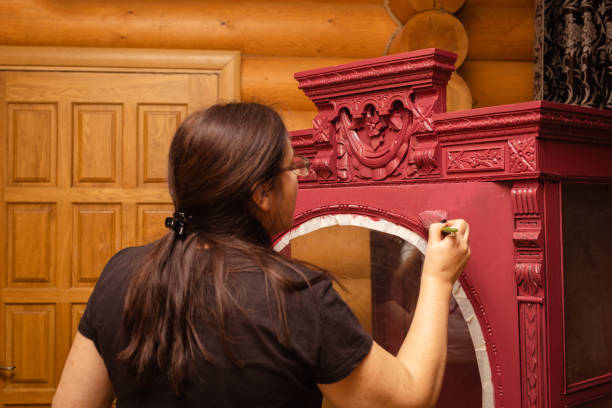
{"points": [[528, 240]]}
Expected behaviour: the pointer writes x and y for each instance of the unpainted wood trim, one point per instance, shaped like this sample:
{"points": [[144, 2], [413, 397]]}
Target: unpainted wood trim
{"points": [[230, 79], [226, 64], [115, 57]]}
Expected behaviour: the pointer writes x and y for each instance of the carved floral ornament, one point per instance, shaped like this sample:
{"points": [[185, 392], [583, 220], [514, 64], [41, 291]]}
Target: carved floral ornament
{"points": [[375, 140], [372, 145], [522, 155], [461, 160]]}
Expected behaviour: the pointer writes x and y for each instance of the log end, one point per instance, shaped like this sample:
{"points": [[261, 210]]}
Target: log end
{"points": [[402, 10], [449, 5], [432, 29], [458, 94]]}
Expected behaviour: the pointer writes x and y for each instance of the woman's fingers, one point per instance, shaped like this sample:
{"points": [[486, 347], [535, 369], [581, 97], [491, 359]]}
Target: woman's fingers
{"points": [[435, 231], [463, 230], [447, 254], [460, 224]]}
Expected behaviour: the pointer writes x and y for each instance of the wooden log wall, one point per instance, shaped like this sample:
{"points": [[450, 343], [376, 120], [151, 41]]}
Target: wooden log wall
{"points": [[277, 38], [499, 63], [492, 38]]}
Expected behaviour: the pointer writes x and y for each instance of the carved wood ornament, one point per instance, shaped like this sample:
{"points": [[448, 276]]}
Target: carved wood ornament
{"points": [[528, 268], [375, 119]]}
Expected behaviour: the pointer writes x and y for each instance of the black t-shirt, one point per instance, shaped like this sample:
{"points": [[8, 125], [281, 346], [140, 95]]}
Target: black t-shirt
{"points": [[326, 342]]}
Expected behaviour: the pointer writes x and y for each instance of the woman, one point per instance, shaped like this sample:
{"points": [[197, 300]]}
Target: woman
{"points": [[210, 316]]}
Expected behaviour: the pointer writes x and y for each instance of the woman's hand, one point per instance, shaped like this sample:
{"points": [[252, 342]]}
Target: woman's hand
{"points": [[447, 254]]}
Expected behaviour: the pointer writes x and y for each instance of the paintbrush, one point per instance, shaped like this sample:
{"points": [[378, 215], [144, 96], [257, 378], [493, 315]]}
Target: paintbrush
{"points": [[431, 216]]}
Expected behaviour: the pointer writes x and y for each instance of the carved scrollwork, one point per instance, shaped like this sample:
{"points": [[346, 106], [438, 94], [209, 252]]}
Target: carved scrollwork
{"points": [[371, 145], [425, 159], [376, 117], [342, 161], [529, 277], [528, 238]]}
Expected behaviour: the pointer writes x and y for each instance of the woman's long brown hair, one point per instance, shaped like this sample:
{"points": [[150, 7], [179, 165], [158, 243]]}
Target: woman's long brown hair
{"points": [[216, 158]]}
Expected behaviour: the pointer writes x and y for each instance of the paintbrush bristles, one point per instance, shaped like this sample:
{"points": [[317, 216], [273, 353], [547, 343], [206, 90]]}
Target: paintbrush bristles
{"points": [[431, 216]]}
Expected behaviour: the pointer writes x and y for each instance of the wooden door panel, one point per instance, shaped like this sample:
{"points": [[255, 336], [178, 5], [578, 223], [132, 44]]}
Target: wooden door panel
{"points": [[156, 126], [151, 218], [96, 237], [31, 330], [97, 131], [32, 143], [85, 162], [30, 261]]}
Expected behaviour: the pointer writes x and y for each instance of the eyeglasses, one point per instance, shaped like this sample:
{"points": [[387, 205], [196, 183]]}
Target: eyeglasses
{"points": [[300, 166]]}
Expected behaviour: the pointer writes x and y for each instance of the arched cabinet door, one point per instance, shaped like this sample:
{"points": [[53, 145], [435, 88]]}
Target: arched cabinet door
{"points": [[378, 266]]}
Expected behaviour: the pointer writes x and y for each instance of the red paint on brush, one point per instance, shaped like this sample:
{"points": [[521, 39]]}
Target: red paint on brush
{"points": [[430, 216]]}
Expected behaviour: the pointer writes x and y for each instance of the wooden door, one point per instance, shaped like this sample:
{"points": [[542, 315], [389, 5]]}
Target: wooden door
{"points": [[84, 175]]}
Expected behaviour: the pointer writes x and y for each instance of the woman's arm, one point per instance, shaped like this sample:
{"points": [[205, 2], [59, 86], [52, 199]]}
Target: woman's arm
{"points": [[84, 382], [414, 377]]}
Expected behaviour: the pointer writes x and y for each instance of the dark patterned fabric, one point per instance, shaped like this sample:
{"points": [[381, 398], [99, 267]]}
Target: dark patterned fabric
{"points": [[573, 52]]}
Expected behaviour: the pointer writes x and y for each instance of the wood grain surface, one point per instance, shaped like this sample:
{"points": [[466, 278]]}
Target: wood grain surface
{"points": [[288, 28], [498, 82]]}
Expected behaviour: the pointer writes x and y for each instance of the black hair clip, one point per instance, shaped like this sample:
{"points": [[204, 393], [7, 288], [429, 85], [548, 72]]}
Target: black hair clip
{"points": [[178, 223]]}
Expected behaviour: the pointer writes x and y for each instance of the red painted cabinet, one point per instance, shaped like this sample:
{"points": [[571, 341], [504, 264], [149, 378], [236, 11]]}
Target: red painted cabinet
{"points": [[531, 317]]}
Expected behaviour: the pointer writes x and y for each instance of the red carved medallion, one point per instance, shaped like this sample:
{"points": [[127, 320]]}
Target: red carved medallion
{"points": [[372, 145], [522, 155]]}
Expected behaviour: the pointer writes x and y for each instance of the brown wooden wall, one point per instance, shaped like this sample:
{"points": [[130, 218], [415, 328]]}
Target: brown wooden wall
{"points": [[499, 63], [278, 38]]}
